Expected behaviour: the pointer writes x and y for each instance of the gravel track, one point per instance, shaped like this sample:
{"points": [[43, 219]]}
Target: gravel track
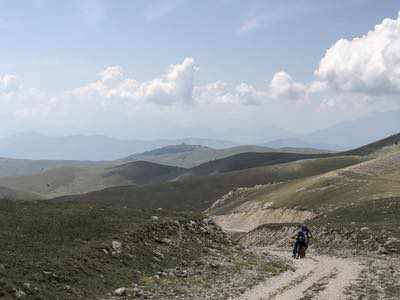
{"points": [[315, 277]]}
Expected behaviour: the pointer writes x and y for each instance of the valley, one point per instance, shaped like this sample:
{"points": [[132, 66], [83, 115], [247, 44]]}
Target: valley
{"points": [[220, 230]]}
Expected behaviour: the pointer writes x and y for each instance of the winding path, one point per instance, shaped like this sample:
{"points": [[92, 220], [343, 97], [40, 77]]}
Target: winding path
{"points": [[315, 277]]}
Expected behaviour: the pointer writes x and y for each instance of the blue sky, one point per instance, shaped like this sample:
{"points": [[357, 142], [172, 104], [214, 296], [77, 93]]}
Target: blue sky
{"points": [[63, 38], [58, 46]]}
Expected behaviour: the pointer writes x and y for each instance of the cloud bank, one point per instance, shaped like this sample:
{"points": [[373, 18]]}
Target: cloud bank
{"points": [[353, 77]]}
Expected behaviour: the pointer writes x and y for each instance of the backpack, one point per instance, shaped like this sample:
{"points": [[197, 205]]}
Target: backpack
{"points": [[301, 237]]}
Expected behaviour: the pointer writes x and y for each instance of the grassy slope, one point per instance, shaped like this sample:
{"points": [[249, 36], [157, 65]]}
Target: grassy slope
{"points": [[73, 180], [199, 193], [64, 251], [372, 147], [21, 167], [76, 180], [360, 202], [143, 172], [246, 161], [15, 195], [376, 176]]}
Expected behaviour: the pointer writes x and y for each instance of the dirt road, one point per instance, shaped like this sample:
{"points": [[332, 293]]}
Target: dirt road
{"points": [[315, 277]]}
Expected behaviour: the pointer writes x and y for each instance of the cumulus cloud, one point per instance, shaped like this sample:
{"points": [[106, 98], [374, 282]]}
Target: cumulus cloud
{"points": [[283, 86], [176, 85], [367, 64], [222, 93]]}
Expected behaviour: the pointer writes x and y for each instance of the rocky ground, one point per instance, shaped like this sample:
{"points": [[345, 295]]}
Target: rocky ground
{"points": [[379, 278], [220, 274], [79, 251], [376, 253], [315, 277]]}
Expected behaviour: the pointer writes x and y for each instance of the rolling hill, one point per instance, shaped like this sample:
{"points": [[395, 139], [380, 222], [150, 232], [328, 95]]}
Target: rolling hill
{"points": [[246, 161], [283, 179], [189, 156], [22, 167], [199, 193], [75, 178], [72, 180]]}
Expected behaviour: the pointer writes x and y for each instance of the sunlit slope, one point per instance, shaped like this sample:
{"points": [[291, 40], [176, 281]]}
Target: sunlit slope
{"points": [[376, 175], [355, 206]]}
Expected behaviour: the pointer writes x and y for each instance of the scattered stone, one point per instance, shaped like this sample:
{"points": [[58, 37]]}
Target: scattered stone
{"points": [[27, 285], [19, 294], [166, 241], [137, 292], [117, 247], [120, 291]]}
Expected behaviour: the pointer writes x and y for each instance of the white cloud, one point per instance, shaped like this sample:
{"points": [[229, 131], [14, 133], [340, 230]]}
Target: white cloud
{"points": [[175, 86], [222, 93], [282, 86], [111, 73], [367, 64], [9, 83]]}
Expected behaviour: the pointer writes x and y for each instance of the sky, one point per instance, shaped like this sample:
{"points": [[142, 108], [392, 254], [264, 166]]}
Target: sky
{"points": [[174, 68]]}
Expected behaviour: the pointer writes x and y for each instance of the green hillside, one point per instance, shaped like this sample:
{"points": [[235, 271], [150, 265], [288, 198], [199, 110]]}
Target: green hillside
{"points": [[199, 193], [16, 195], [21, 167], [75, 180], [246, 161]]}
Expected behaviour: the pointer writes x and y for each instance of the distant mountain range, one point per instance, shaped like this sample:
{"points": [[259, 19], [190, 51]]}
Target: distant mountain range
{"points": [[347, 134], [88, 147], [342, 136]]}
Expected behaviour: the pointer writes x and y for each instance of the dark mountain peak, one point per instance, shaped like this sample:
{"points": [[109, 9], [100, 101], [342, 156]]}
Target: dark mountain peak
{"points": [[174, 149]]}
